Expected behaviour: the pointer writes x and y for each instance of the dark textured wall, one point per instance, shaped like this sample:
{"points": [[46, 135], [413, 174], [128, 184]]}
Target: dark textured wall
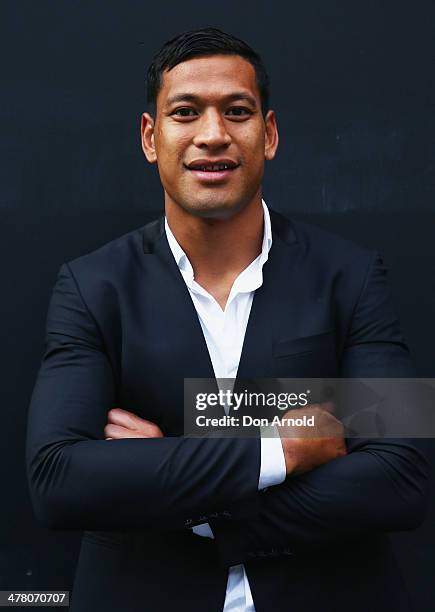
{"points": [[353, 87]]}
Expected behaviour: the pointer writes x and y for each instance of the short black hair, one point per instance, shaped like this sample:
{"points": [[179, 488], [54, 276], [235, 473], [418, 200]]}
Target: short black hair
{"points": [[200, 43]]}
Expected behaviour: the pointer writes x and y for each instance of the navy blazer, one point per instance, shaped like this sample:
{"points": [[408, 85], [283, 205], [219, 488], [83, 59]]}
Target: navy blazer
{"points": [[122, 331]]}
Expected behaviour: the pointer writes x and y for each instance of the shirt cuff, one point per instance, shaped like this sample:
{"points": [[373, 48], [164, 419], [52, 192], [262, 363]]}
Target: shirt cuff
{"points": [[272, 467]]}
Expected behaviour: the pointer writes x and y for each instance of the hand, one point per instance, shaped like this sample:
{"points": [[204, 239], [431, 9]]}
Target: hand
{"points": [[307, 447], [124, 424]]}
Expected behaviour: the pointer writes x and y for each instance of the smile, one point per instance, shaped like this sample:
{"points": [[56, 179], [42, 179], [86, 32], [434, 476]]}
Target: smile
{"points": [[212, 172], [212, 167], [212, 175]]}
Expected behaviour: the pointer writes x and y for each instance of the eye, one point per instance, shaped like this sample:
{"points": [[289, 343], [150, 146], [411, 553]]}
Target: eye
{"points": [[239, 111], [185, 111]]}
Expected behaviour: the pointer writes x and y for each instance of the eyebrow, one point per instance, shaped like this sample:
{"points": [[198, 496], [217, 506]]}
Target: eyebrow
{"points": [[187, 97]]}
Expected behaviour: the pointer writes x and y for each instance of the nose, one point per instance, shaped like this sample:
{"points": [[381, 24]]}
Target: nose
{"points": [[212, 132]]}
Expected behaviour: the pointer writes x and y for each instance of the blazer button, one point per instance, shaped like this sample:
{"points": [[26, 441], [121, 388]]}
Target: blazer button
{"points": [[188, 522]]}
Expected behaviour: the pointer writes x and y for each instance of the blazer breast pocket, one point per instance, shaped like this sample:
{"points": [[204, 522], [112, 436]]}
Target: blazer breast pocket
{"points": [[323, 342]]}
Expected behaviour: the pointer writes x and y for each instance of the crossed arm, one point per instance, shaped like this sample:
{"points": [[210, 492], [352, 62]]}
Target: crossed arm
{"points": [[80, 481], [377, 487]]}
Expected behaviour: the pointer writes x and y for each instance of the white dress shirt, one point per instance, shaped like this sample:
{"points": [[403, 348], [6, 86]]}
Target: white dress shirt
{"points": [[224, 333]]}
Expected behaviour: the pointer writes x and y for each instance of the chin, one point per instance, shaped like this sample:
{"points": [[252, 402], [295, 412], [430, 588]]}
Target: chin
{"points": [[212, 209]]}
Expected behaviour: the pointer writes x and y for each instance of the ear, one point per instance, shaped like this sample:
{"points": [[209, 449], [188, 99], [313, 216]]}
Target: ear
{"points": [[271, 139], [147, 137]]}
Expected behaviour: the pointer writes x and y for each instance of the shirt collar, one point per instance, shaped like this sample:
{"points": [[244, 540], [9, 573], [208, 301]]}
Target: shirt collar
{"points": [[249, 279]]}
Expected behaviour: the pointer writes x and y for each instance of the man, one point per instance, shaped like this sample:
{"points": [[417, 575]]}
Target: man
{"points": [[224, 287]]}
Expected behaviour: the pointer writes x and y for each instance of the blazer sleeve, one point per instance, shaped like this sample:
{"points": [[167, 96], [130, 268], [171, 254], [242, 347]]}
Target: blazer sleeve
{"points": [[381, 485], [79, 480]]}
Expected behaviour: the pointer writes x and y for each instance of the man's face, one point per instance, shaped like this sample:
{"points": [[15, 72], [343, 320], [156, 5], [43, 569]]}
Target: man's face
{"points": [[209, 138]]}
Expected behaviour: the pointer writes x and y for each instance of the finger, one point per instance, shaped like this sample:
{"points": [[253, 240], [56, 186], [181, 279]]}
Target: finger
{"points": [[121, 417], [124, 418], [116, 432]]}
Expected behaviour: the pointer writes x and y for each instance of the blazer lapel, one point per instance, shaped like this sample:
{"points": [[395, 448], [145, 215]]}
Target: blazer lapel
{"points": [[178, 314], [270, 313]]}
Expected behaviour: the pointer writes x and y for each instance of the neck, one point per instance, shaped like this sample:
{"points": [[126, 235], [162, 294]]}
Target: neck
{"points": [[218, 248]]}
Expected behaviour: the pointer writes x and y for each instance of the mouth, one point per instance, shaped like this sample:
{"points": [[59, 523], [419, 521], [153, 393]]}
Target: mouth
{"points": [[212, 171]]}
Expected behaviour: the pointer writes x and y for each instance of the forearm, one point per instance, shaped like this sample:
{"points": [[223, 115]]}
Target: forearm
{"points": [[135, 483], [78, 480], [381, 487]]}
